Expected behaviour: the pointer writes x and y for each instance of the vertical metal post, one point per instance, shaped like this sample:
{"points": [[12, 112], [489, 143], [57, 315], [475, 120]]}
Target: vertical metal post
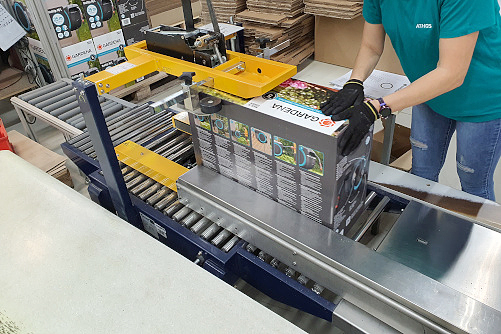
{"points": [[98, 131], [188, 15], [389, 130], [24, 121]]}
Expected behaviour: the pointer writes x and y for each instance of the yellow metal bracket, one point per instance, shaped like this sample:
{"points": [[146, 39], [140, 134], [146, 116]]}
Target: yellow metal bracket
{"points": [[258, 77], [153, 165]]}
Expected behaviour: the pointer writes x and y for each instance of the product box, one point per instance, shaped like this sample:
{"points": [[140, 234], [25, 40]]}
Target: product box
{"points": [[281, 146], [110, 48], [81, 59], [135, 33], [131, 12]]}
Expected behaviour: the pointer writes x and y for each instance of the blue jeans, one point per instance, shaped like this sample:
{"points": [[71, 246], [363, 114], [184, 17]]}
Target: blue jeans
{"points": [[478, 149]]}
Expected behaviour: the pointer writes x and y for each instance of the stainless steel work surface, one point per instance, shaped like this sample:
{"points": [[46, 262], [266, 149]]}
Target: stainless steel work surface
{"points": [[453, 251], [358, 274], [69, 266], [480, 210]]}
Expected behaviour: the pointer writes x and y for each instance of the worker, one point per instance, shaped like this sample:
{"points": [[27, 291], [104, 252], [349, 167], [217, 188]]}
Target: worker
{"points": [[451, 52]]}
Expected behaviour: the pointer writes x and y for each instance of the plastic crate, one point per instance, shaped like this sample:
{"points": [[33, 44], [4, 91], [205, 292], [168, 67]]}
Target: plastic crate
{"points": [[4, 139]]}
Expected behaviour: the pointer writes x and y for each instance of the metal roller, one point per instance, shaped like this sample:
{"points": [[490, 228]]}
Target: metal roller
{"points": [[264, 256], [126, 170], [158, 196], [317, 288], [274, 263], [131, 175], [220, 238], [250, 248], [49, 95], [164, 202], [200, 225], [173, 208], [150, 191], [64, 109], [178, 216], [108, 111], [55, 99], [134, 182], [210, 231], [152, 131], [303, 280], [230, 244], [137, 108], [59, 104], [161, 149], [164, 138], [41, 91], [290, 272], [175, 148], [164, 129], [142, 186], [190, 219]]}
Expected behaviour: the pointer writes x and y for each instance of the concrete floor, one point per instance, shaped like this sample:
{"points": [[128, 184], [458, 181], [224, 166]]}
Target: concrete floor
{"points": [[311, 71]]}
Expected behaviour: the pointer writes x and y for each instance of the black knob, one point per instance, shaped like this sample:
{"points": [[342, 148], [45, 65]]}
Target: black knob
{"points": [[187, 77], [262, 42], [210, 105]]}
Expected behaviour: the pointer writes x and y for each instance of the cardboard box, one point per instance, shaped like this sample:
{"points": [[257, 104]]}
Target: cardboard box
{"points": [[286, 150], [131, 12], [41, 157], [135, 33], [401, 150], [174, 16], [337, 42]]}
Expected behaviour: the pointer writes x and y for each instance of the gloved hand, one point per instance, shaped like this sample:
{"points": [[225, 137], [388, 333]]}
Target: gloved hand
{"points": [[352, 94], [361, 117]]}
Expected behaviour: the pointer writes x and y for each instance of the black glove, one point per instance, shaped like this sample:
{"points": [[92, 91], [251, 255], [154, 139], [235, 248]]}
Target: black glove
{"points": [[352, 94], [361, 118]]}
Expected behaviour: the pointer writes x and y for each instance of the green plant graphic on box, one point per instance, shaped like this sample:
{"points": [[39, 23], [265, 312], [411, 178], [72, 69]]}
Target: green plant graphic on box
{"points": [[203, 121], [220, 125], [284, 150], [83, 32], [240, 132], [311, 160]]}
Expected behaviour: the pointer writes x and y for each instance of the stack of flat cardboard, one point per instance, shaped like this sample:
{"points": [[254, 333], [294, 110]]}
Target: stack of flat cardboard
{"points": [[299, 31], [154, 7], [289, 8], [41, 157], [341, 9], [224, 9]]}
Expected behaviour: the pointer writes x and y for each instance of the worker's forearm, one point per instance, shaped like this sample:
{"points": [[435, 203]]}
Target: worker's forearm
{"points": [[429, 86], [365, 63]]}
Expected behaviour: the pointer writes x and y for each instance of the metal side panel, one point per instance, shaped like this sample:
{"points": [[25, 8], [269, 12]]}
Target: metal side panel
{"points": [[380, 286]]}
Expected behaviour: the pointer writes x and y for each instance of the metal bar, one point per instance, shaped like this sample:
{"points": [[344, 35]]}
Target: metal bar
{"points": [[24, 122], [188, 15], [389, 130], [213, 17], [89, 104], [372, 218]]}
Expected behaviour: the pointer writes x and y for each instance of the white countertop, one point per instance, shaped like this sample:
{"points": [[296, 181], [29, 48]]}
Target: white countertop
{"points": [[70, 266]]}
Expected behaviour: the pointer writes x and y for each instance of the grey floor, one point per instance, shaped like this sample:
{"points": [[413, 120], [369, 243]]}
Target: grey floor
{"points": [[310, 71]]}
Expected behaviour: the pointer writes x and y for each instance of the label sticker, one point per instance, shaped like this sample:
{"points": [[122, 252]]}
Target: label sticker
{"points": [[149, 225], [161, 231], [120, 68]]}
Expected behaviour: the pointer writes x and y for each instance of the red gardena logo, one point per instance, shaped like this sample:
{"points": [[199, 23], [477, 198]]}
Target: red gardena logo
{"points": [[327, 122], [68, 58], [100, 47]]}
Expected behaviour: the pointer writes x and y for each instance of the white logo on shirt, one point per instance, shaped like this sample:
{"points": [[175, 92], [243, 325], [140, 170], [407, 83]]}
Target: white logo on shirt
{"points": [[424, 26]]}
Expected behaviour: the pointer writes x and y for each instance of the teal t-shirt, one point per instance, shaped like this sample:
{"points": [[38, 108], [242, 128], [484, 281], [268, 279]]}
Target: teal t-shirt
{"points": [[415, 27]]}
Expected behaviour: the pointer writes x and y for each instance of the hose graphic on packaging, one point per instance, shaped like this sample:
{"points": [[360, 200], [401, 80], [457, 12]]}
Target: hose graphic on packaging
{"points": [[261, 137], [310, 158], [281, 147], [237, 134], [353, 178], [219, 124], [22, 16]]}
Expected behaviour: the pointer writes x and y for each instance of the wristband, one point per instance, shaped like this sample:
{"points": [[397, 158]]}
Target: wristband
{"points": [[373, 109], [354, 81]]}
